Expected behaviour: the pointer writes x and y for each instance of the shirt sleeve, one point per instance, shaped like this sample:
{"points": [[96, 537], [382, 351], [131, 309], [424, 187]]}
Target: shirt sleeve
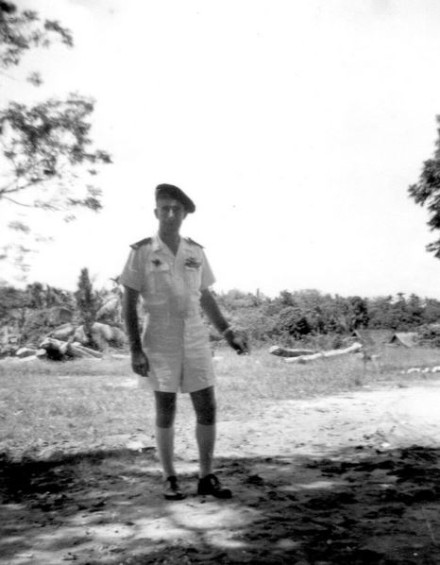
{"points": [[131, 275], [208, 278]]}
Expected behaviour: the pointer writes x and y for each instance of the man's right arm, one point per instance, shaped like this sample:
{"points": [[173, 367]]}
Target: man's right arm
{"points": [[139, 360]]}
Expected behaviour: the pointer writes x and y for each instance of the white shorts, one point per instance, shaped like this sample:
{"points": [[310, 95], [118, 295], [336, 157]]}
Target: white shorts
{"points": [[179, 355]]}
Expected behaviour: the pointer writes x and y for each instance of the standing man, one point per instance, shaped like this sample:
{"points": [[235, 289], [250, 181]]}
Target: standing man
{"points": [[173, 276]]}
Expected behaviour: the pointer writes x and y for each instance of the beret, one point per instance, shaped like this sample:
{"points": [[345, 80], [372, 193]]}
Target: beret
{"points": [[171, 191]]}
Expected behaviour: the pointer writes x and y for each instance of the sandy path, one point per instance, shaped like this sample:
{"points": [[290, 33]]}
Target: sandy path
{"points": [[381, 417], [324, 481]]}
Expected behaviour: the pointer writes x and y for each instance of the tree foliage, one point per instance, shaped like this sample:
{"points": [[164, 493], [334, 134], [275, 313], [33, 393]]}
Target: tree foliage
{"points": [[87, 303], [87, 300], [268, 320], [310, 316], [47, 158], [10, 299], [21, 31], [426, 192], [358, 309], [45, 296], [43, 146]]}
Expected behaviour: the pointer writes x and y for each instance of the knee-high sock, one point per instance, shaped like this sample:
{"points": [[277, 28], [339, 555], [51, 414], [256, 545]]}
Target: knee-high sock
{"points": [[206, 441], [165, 449]]}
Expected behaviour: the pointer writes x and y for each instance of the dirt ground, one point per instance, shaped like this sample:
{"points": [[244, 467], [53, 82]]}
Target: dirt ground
{"points": [[348, 479]]}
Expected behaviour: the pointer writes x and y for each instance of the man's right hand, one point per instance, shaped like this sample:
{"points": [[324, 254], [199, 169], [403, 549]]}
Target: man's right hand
{"points": [[139, 363]]}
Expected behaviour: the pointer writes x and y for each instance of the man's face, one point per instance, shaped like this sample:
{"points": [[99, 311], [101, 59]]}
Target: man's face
{"points": [[170, 214]]}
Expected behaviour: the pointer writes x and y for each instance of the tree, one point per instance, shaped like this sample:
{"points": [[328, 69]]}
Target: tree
{"points": [[426, 191], [36, 296], [415, 309], [46, 150], [292, 321], [431, 314], [380, 311], [286, 298], [87, 302], [10, 299], [359, 312], [23, 30], [46, 153], [41, 296]]}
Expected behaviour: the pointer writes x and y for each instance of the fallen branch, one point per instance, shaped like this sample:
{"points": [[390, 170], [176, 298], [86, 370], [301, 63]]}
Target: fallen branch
{"points": [[324, 354], [75, 349], [288, 352], [57, 349]]}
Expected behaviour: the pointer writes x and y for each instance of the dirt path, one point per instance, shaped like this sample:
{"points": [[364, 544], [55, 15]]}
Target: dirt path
{"points": [[349, 479]]}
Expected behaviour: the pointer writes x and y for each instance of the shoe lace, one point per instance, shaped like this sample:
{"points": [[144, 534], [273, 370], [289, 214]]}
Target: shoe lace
{"points": [[214, 481]]}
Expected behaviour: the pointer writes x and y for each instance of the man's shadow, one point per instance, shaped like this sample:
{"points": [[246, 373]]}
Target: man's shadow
{"points": [[360, 505]]}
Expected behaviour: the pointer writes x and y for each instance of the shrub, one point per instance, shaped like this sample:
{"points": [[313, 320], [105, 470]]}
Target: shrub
{"points": [[429, 335]]}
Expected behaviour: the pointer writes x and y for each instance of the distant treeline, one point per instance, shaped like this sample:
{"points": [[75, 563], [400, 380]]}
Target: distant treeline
{"points": [[300, 315], [288, 317], [39, 296], [35, 296]]}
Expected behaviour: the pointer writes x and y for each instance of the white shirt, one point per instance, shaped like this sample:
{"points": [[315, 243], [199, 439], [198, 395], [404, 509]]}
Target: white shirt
{"points": [[175, 337]]}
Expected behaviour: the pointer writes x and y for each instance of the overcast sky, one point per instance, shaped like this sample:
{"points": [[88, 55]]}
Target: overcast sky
{"points": [[296, 126]]}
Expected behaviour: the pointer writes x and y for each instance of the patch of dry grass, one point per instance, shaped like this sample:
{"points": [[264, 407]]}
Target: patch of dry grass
{"points": [[78, 403], [88, 404], [12, 367]]}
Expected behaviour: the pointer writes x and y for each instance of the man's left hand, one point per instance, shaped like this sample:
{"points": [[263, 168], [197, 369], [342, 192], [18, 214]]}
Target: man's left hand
{"points": [[238, 340]]}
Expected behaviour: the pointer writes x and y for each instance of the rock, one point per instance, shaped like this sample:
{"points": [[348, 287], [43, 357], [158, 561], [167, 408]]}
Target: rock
{"points": [[59, 315], [63, 332], [102, 334], [25, 352], [26, 359], [41, 354]]}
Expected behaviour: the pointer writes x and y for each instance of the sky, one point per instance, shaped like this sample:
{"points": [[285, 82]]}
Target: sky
{"points": [[296, 126]]}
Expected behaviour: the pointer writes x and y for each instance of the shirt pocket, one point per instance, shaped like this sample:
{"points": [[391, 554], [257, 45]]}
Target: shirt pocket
{"points": [[193, 277], [158, 282]]}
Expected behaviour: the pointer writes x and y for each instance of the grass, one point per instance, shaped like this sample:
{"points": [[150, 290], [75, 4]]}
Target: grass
{"points": [[87, 404]]}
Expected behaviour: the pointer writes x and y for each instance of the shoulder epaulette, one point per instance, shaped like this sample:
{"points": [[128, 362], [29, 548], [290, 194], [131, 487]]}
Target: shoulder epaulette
{"points": [[142, 242], [191, 241]]}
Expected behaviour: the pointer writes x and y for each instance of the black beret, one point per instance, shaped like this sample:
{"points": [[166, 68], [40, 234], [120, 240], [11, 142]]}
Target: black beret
{"points": [[171, 191]]}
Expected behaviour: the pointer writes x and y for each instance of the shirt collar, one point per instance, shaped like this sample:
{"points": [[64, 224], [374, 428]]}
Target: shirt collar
{"points": [[159, 245]]}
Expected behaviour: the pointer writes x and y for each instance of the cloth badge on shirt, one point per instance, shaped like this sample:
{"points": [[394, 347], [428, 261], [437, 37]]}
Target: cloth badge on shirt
{"points": [[159, 265], [192, 263]]}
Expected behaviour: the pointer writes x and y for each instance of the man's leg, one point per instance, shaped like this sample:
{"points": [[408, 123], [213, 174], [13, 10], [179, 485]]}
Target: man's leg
{"points": [[165, 414], [205, 409]]}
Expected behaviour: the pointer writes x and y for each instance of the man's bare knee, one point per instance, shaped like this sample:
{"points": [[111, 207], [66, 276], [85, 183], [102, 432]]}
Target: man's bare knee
{"points": [[205, 406], [165, 409]]}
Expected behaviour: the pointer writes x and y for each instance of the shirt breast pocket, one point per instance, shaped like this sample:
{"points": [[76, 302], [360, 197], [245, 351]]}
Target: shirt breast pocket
{"points": [[193, 277], [158, 280]]}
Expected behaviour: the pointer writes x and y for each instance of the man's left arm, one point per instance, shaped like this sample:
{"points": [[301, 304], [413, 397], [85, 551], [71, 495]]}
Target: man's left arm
{"points": [[212, 310]]}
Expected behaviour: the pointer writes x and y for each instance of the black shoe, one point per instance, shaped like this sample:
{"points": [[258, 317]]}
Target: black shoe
{"points": [[171, 490], [211, 485]]}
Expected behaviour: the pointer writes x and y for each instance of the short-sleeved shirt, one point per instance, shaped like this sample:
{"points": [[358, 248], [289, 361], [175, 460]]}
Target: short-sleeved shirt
{"points": [[175, 337]]}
